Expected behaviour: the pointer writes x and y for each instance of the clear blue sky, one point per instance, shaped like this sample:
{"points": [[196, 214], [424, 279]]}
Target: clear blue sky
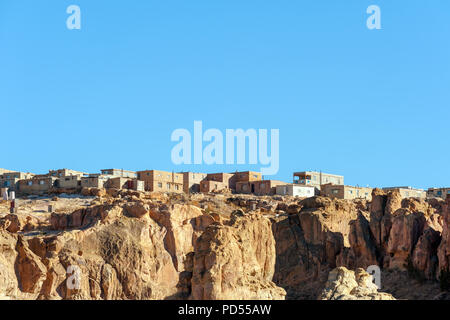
{"points": [[371, 105]]}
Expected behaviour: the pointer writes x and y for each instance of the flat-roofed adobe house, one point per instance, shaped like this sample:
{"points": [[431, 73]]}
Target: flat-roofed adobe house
{"points": [[119, 173], [10, 180], [65, 173], [408, 192], [68, 182], [346, 192], [442, 193], [317, 179], [295, 190], [225, 178], [125, 183], [191, 181], [37, 185], [210, 186], [162, 181], [260, 188], [94, 181]]}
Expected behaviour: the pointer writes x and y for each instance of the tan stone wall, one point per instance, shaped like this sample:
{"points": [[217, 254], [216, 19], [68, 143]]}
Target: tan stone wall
{"points": [[93, 182], [227, 178], [346, 192], [248, 176], [65, 173], [162, 181], [119, 173], [442, 193], [36, 185], [118, 183], [263, 187], [69, 182], [207, 186], [191, 181], [409, 192]]}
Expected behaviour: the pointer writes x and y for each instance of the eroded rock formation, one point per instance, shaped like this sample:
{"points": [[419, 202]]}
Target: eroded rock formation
{"points": [[136, 245]]}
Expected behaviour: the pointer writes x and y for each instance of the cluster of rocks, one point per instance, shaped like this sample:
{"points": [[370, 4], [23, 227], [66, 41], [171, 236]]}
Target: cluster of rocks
{"points": [[140, 245]]}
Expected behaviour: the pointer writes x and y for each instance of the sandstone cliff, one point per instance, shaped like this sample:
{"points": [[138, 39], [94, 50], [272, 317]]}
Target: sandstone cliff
{"points": [[139, 245]]}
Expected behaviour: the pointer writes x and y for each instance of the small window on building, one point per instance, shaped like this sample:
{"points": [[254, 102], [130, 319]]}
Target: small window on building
{"points": [[41, 182], [30, 183], [262, 185], [335, 191], [168, 186], [350, 191], [159, 185]]}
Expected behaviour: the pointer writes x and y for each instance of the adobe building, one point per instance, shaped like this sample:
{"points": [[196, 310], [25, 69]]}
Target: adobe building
{"points": [[125, 183], [409, 192], [68, 182], [346, 192], [162, 181], [226, 178], [209, 186], [317, 179], [442, 193], [10, 180], [37, 185], [295, 190], [191, 181], [260, 188], [246, 176], [136, 184], [2, 171], [119, 173], [65, 173], [94, 181]]}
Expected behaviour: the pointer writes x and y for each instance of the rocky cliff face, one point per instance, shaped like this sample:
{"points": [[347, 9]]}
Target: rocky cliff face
{"points": [[132, 245], [236, 261]]}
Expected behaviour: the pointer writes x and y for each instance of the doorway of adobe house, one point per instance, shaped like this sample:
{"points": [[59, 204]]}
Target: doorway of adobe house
{"points": [[253, 188]]}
